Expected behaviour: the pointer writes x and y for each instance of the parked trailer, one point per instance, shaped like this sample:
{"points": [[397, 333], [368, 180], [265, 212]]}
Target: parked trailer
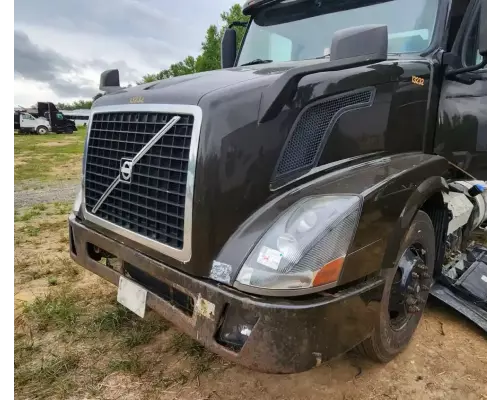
{"points": [[303, 200], [80, 117]]}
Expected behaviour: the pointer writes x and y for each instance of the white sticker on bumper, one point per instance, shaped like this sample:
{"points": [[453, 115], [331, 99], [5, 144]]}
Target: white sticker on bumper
{"points": [[205, 308]]}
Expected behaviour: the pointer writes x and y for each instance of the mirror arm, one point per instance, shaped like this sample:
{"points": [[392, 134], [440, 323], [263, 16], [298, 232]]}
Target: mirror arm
{"points": [[237, 23], [454, 72]]}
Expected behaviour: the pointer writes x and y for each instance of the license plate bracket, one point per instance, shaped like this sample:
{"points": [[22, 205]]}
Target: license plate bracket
{"points": [[132, 296]]}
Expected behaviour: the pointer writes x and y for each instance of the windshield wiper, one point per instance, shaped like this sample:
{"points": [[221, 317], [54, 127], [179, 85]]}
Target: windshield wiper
{"points": [[256, 61]]}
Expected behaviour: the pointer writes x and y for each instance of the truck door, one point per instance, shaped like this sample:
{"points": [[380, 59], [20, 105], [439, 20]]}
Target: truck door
{"points": [[461, 127], [27, 121]]}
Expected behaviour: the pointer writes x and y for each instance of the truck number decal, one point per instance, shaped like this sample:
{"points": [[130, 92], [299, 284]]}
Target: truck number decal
{"points": [[417, 80]]}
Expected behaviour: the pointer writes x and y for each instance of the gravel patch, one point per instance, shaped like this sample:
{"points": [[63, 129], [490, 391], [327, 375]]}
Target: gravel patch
{"points": [[61, 191]]}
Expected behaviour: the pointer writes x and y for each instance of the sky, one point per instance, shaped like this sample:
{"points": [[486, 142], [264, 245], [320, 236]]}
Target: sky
{"points": [[62, 46]]}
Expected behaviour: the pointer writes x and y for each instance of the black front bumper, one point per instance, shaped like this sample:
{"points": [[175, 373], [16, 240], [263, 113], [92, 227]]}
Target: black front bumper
{"points": [[290, 335]]}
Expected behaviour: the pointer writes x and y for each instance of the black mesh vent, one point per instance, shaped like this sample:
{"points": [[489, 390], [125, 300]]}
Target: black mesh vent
{"points": [[304, 143], [152, 204]]}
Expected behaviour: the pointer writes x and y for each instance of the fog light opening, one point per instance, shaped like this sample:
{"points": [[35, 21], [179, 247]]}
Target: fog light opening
{"points": [[100, 255], [94, 252], [236, 328]]}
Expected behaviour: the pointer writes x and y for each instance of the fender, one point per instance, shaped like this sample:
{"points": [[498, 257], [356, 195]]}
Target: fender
{"points": [[429, 187], [386, 184]]}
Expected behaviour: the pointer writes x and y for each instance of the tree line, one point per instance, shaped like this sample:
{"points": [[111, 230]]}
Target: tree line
{"points": [[76, 105]]}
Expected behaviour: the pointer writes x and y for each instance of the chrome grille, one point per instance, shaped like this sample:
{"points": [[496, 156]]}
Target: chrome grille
{"points": [[153, 204]]}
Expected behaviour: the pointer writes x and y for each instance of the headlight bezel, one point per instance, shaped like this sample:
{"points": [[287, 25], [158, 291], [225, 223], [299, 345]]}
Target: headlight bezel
{"points": [[323, 233]]}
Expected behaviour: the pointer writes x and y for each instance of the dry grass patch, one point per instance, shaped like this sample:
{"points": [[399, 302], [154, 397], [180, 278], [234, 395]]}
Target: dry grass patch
{"points": [[41, 245], [48, 157]]}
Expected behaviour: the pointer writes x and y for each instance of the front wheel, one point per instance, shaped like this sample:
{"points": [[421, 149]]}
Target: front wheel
{"points": [[42, 130], [405, 292]]}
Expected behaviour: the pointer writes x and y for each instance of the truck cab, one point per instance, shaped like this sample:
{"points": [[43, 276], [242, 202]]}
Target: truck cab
{"points": [[302, 200], [59, 122], [28, 123]]}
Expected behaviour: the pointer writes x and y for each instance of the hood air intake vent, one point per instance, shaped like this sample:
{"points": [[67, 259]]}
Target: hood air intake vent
{"points": [[311, 129]]}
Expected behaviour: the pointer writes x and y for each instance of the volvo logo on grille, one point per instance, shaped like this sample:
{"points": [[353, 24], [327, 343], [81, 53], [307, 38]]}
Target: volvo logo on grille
{"points": [[126, 170]]}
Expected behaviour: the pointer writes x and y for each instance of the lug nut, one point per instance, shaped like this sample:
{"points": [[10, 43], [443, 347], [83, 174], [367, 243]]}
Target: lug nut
{"points": [[426, 275], [422, 267], [413, 309], [411, 301], [414, 275]]}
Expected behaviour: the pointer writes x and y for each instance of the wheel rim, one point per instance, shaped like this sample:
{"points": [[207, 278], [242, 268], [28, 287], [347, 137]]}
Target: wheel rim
{"points": [[410, 286], [42, 131]]}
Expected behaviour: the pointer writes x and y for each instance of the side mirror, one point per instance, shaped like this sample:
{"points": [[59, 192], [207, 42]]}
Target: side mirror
{"points": [[483, 23], [110, 80], [228, 48], [366, 43], [350, 48]]}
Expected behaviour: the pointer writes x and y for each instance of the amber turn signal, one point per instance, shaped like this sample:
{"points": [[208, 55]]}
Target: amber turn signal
{"points": [[329, 272]]}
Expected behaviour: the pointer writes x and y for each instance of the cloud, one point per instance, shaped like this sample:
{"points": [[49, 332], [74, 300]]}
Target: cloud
{"points": [[177, 29], [35, 63], [64, 76], [62, 46], [127, 74]]}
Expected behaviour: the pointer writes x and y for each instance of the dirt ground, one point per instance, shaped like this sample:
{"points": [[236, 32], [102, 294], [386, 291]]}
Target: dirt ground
{"points": [[73, 341]]}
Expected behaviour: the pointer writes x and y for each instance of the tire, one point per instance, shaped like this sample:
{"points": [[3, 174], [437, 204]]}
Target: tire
{"points": [[387, 341], [42, 130]]}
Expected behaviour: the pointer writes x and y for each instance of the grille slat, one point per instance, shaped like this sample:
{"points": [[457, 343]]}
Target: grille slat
{"points": [[153, 203], [148, 187]]}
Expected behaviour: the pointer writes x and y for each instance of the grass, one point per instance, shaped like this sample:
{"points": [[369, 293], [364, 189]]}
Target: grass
{"points": [[58, 310], [47, 371], [143, 332], [132, 330], [31, 230], [72, 338], [131, 365], [203, 358], [112, 320], [48, 157], [29, 213]]}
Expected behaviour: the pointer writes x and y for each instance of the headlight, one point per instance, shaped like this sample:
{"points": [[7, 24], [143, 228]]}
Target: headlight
{"points": [[78, 202], [306, 246]]}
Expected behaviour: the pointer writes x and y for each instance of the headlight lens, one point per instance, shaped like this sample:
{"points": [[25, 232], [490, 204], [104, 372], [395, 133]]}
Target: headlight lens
{"points": [[306, 246], [78, 202]]}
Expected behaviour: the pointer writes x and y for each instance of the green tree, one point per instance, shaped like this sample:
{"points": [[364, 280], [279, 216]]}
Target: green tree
{"points": [[209, 59], [235, 14], [76, 105]]}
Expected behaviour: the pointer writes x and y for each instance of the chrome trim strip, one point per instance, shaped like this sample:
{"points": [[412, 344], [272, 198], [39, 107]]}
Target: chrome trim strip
{"points": [[106, 193], [184, 254], [136, 159]]}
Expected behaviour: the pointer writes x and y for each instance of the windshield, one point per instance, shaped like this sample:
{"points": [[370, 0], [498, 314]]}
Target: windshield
{"points": [[303, 29]]}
